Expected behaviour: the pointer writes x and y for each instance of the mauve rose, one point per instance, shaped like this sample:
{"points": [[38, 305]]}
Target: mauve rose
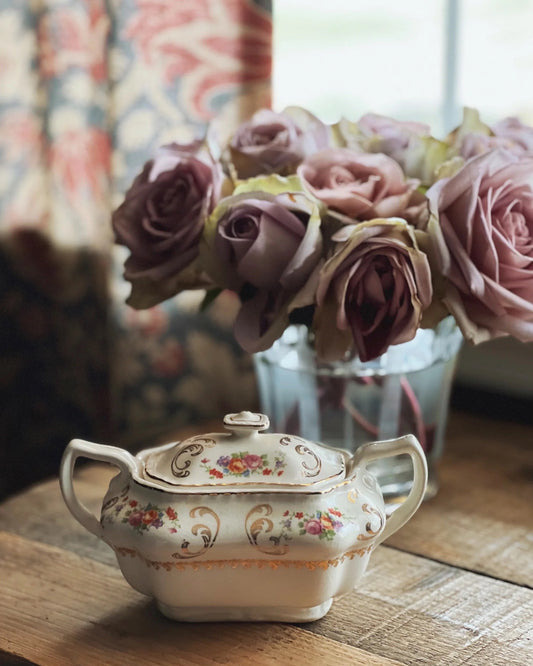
{"points": [[373, 291], [483, 242], [360, 185], [267, 248], [517, 133], [161, 221], [273, 142]]}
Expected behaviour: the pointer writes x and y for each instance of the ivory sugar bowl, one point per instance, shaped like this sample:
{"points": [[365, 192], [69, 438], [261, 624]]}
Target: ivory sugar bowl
{"points": [[243, 525]]}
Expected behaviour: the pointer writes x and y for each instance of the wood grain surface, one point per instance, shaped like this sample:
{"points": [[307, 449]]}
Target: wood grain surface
{"points": [[452, 587], [61, 609], [57, 605], [482, 516]]}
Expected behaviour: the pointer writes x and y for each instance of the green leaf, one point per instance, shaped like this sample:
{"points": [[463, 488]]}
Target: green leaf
{"points": [[272, 184]]}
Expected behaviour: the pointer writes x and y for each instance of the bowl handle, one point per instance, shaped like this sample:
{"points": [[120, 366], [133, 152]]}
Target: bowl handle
{"points": [[394, 447], [77, 448]]}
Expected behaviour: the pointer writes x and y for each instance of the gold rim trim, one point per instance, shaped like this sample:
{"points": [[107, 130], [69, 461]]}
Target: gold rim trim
{"points": [[244, 564]]}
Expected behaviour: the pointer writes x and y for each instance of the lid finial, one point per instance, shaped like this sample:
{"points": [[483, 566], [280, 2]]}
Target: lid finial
{"points": [[246, 421]]}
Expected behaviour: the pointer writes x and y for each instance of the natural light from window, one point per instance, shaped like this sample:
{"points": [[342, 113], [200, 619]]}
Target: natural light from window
{"points": [[344, 57]]}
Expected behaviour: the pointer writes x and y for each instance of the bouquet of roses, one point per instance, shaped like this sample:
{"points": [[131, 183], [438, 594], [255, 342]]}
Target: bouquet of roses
{"points": [[364, 231]]}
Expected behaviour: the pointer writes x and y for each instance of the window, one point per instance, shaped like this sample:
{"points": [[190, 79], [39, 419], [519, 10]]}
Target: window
{"points": [[415, 60]]}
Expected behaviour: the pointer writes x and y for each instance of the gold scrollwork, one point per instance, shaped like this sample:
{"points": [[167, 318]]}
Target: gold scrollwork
{"points": [[310, 470], [262, 525], [180, 467], [352, 496], [370, 533], [313, 469], [206, 534]]}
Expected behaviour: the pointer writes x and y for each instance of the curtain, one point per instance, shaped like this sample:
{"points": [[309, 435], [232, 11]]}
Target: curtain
{"points": [[88, 88]]}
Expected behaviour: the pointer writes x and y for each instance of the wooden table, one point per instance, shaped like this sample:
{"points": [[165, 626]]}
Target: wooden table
{"points": [[452, 587]]}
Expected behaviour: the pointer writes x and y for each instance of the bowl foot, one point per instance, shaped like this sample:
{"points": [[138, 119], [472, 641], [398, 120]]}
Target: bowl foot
{"points": [[244, 614]]}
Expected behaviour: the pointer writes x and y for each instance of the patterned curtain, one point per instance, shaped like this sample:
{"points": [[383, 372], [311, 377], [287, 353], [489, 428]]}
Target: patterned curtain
{"points": [[88, 88]]}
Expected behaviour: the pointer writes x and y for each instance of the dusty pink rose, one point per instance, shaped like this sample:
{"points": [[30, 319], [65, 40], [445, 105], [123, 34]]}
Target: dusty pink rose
{"points": [[473, 137], [484, 245], [273, 142], [265, 247], [373, 291], [161, 220], [313, 526], [359, 185], [473, 144], [391, 136], [517, 133], [408, 143], [253, 461]]}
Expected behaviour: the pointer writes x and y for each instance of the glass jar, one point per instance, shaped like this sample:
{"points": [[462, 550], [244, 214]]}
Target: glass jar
{"points": [[347, 403]]}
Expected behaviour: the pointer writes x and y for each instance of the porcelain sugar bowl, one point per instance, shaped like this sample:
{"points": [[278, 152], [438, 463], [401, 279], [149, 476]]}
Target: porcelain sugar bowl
{"points": [[244, 525]]}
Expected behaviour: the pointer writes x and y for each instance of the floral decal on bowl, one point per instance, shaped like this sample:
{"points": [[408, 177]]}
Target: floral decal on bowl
{"points": [[322, 524], [244, 464], [140, 518], [149, 517]]}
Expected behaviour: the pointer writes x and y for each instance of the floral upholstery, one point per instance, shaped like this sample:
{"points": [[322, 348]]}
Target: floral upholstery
{"points": [[88, 90]]}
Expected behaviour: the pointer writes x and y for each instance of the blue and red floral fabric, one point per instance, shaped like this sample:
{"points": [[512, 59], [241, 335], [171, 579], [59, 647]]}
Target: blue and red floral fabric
{"points": [[88, 88]]}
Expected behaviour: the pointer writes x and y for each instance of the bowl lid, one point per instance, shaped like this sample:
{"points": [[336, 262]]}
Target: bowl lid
{"points": [[244, 457]]}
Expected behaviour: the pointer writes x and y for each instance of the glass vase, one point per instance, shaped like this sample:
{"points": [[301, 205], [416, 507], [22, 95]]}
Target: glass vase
{"points": [[345, 404]]}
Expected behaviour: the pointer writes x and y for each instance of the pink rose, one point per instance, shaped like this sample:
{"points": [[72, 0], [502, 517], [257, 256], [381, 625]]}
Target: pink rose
{"points": [[391, 136], [161, 220], [313, 526], [473, 137], [474, 144], [484, 245], [253, 461], [135, 518], [408, 143], [520, 136], [273, 142], [359, 185], [372, 292]]}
